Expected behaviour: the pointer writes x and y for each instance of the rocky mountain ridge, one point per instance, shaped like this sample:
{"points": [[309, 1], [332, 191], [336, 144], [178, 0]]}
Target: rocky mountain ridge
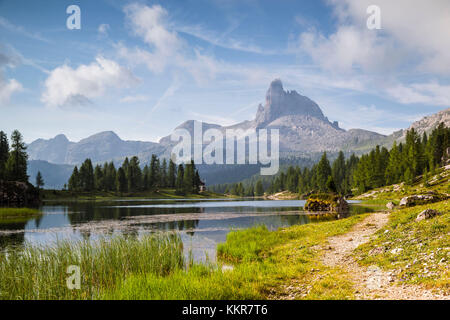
{"points": [[303, 127]]}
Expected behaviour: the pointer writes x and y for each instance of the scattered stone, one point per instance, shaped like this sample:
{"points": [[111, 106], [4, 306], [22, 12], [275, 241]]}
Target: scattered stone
{"points": [[396, 250], [226, 267], [390, 205], [417, 199], [427, 214]]}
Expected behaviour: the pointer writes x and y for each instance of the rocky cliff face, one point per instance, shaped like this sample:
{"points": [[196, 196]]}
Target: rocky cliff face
{"points": [[280, 103], [53, 150], [428, 123], [302, 125]]}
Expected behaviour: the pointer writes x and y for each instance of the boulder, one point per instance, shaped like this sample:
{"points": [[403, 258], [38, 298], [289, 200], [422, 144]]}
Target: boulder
{"points": [[326, 202], [390, 205], [417, 199], [16, 193], [427, 214]]}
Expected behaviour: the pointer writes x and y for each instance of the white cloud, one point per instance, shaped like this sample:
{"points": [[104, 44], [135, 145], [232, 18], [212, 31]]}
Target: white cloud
{"points": [[8, 86], [349, 48], [150, 23], [431, 93], [103, 29], [68, 86], [167, 49], [422, 28]]}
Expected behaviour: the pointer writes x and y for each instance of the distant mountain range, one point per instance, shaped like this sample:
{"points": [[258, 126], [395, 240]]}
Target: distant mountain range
{"points": [[304, 131]]}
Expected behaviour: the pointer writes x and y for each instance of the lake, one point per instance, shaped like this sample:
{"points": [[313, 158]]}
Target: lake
{"points": [[202, 224]]}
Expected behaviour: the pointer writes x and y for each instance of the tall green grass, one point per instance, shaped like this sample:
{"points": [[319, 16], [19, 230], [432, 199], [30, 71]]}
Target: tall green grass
{"points": [[199, 282], [15, 215], [40, 272]]}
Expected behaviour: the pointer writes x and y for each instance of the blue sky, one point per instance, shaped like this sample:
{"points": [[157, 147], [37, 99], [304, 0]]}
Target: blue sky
{"points": [[140, 68]]}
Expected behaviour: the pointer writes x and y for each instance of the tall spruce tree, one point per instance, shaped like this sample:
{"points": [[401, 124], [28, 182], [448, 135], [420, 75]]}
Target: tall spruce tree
{"points": [[323, 171], [121, 181], [171, 175], [16, 166], [74, 180], [4, 154]]}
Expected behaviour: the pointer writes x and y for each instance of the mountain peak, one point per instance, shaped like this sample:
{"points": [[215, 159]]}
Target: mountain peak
{"points": [[61, 137], [281, 103], [104, 136]]}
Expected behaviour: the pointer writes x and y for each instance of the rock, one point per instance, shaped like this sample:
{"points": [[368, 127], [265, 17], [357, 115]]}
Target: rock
{"points": [[390, 205], [421, 199], [396, 250], [16, 193], [427, 214], [326, 202]]}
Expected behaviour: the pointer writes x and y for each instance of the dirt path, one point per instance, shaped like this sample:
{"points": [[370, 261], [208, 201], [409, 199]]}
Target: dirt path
{"points": [[371, 282]]}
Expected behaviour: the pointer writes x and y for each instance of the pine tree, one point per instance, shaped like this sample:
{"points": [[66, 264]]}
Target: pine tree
{"points": [[259, 189], [180, 176], [154, 177], [74, 180], [4, 154], [98, 178], [16, 166], [323, 172], [146, 178], [163, 173], [393, 172], [87, 180], [134, 175], [331, 186], [171, 176], [39, 180], [338, 172], [188, 178], [121, 181]]}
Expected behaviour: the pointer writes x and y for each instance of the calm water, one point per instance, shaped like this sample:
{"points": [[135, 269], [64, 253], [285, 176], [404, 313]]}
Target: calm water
{"points": [[201, 223]]}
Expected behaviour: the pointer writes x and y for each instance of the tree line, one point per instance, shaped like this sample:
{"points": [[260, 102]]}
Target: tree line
{"points": [[130, 177], [13, 158], [418, 155]]}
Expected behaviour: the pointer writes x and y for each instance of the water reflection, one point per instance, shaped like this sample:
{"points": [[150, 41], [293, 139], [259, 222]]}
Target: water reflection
{"points": [[202, 223]]}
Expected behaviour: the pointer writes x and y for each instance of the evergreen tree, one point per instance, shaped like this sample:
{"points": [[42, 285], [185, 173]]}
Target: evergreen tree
{"points": [[323, 172], [188, 178], [393, 172], [134, 175], [4, 154], [39, 180], [146, 178], [171, 176], [98, 178], [331, 186], [259, 189], [74, 180], [154, 177], [339, 172], [16, 165], [121, 181], [87, 180], [180, 176], [163, 173]]}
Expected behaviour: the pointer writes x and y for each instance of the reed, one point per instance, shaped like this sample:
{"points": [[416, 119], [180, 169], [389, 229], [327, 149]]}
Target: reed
{"points": [[41, 272]]}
